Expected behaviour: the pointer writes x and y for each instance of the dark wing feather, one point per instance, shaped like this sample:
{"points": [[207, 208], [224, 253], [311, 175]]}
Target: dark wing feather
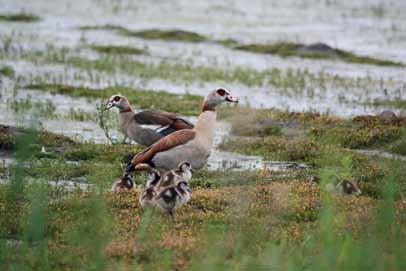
{"points": [[168, 142], [151, 117]]}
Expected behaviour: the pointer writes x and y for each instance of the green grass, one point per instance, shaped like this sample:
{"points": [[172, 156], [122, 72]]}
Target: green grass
{"points": [[120, 50], [177, 35], [183, 104], [153, 34], [45, 109], [286, 49], [234, 221], [288, 79], [7, 71], [399, 104], [19, 17]]}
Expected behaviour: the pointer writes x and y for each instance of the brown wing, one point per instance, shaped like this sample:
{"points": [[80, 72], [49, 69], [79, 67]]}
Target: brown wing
{"points": [[150, 117], [168, 142]]}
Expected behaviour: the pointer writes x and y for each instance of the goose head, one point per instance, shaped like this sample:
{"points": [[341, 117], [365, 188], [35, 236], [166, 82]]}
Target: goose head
{"points": [[118, 101], [217, 97]]}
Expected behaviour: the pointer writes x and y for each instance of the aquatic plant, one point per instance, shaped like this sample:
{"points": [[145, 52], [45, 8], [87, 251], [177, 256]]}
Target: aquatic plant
{"points": [[314, 51], [19, 17], [7, 71], [125, 50]]}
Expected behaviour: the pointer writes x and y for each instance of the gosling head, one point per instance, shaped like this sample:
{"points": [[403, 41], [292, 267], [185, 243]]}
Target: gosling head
{"points": [[128, 181], [153, 177], [185, 167], [349, 188], [186, 170]]}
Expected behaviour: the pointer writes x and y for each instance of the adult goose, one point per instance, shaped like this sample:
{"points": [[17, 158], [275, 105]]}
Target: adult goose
{"points": [[193, 145], [146, 127]]}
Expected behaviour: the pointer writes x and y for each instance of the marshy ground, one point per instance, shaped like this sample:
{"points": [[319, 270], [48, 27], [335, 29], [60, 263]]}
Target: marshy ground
{"points": [[313, 79]]}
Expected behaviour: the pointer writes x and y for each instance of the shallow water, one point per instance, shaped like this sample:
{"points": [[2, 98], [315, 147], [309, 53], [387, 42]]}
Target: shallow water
{"points": [[374, 28]]}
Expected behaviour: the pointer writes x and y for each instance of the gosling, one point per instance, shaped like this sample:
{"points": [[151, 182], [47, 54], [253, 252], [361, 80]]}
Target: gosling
{"points": [[167, 191], [173, 197], [125, 183]]}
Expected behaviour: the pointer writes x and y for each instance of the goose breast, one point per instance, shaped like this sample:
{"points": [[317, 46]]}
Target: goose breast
{"points": [[190, 152]]}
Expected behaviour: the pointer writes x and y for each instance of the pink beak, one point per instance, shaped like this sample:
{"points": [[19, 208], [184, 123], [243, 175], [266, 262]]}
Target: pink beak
{"points": [[232, 99]]}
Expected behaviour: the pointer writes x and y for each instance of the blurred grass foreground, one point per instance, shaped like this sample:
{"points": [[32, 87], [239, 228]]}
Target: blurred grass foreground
{"points": [[276, 226]]}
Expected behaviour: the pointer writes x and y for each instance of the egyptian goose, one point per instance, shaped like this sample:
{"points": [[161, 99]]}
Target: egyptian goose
{"points": [[157, 182], [125, 183], [192, 145], [132, 124]]}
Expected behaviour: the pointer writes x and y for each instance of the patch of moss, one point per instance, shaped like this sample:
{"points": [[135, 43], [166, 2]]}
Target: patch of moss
{"points": [[125, 50], [283, 48], [174, 34], [102, 27], [183, 104], [317, 51], [360, 133], [228, 42], [7, 71], [19, 17], [273, 148]]}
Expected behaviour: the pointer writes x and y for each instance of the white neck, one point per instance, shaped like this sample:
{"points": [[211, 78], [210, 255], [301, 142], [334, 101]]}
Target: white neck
{"points": [[205, 127]]}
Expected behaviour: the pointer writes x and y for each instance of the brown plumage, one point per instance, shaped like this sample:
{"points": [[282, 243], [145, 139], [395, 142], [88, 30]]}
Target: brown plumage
{"points": [[193, 146], [148, 126], [168, 142], [150, 117], [125, 183]]}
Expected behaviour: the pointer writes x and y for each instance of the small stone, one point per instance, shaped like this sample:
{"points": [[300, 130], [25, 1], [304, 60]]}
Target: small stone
{"points": [[387, 115]]}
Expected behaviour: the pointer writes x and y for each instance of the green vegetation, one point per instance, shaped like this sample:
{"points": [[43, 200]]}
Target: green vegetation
{"points": [[398, 103], [318, 140], [175, 34], [45, 109], [125, 50], [284, 49], [19, 17], [236, 220], [226, 226], [317, 51], [399, 146], [7, 71], [183, 104], [178, 35], [297, 80]]}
